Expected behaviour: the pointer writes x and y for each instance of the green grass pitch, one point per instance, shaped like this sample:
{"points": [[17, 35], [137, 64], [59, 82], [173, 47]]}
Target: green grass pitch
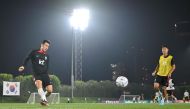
{"points": [[92, 106]]}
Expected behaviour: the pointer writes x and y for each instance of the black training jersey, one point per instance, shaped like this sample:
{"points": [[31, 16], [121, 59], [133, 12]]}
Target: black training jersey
{"points": [[40, 61]]}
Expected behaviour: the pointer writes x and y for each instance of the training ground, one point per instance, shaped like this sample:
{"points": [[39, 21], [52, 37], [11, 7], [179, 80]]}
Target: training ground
{"points": [[94, 106]]}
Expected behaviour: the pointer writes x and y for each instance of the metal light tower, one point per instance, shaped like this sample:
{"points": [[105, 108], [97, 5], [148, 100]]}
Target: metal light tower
{"points": [[78, 55], [79, 22]]}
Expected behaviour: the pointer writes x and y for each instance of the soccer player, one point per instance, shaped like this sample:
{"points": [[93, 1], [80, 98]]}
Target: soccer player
{"points": [[40, 61], [163, 71], [186, 96]]}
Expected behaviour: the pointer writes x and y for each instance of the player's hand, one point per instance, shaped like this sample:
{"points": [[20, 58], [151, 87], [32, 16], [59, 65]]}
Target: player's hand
{"points": [[21, 68], [154, 73]]}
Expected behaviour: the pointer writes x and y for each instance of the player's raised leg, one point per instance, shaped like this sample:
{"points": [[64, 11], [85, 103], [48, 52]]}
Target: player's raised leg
{"points": [[49, 90], [47, 84]]}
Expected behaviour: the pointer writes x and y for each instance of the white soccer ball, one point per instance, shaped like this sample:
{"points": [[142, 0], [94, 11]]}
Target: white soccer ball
{"points": [[121, 81]]}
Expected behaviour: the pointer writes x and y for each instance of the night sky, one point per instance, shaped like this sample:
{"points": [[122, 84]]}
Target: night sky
{"points": [[120, 31]]}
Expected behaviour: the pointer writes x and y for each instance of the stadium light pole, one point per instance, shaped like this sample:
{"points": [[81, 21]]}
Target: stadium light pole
{"points": [[79, 22]]}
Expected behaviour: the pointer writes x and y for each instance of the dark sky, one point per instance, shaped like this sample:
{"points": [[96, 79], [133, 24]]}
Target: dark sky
{"points": [[119, 31]]}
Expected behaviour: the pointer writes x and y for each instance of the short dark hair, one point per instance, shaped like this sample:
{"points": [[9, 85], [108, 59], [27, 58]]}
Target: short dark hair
{"points": [[165, 46], [46, 41]]}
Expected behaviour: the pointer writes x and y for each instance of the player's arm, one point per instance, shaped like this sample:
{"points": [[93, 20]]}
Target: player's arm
{"points": [[173, 68], [28, 57]]}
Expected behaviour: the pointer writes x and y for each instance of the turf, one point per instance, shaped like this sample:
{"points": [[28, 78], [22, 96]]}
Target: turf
{"points": [[93, 106]]}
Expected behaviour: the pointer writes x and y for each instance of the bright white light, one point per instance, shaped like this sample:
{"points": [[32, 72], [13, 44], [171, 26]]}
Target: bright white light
{"points": [[80, 18]]}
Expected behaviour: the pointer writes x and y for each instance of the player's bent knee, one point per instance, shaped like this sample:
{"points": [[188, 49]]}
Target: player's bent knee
{"points": [[38, 83], [49, 89], [156, 86]]}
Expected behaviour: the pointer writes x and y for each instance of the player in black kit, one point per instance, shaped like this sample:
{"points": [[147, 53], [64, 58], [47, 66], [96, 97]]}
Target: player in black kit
{"points": [[40, 61]]}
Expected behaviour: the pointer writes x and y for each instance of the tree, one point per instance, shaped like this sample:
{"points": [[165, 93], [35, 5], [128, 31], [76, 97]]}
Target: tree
{"points": [[56, 83]]}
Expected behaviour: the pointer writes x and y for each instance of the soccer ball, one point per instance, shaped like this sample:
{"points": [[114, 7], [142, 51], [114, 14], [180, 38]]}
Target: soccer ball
{"points": [[121, 81]]}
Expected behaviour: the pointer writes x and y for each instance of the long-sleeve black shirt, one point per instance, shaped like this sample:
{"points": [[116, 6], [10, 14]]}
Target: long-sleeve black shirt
{"points": [[40, 61]]}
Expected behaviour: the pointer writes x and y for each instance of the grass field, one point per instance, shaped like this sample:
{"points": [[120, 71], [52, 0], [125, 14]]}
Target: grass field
{"points": [[93, 106]]}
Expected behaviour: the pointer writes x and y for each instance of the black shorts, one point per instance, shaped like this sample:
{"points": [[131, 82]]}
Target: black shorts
{"points": [[162, 80], [44, 78], [170, 92]]}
